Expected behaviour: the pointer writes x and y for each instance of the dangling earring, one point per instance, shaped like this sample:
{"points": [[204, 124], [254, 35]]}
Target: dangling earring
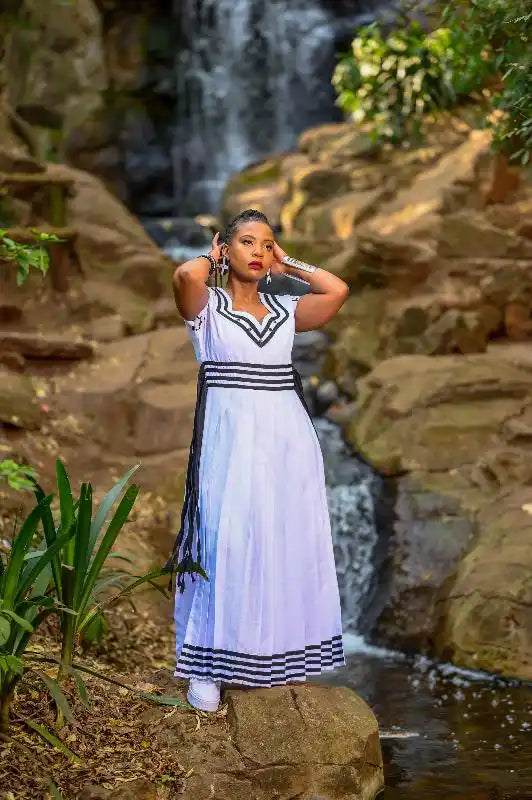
{"points": [[224, 267], [269, 276]]}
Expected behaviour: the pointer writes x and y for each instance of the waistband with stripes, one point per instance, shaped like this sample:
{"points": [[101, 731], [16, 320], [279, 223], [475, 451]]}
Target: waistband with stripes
{"points": [[243, 375]]}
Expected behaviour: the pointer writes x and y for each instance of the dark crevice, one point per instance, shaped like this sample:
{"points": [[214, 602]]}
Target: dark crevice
{"points": [[296, 703]]}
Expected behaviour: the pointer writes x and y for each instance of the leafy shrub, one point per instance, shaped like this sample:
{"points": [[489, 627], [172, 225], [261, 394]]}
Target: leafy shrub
{"points": [[503, 28], [392, 82]]}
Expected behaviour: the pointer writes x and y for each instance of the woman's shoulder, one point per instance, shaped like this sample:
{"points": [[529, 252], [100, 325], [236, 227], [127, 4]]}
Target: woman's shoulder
{"points": [[285, 297], [287, 300]]}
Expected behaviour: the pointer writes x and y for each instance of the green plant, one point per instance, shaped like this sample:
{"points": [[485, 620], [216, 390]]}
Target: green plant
{"points": [[391, 82], [78, 570], [24, 603], [27, 256], [18, 476], [77, 567], [503, 29], [64, 575]]}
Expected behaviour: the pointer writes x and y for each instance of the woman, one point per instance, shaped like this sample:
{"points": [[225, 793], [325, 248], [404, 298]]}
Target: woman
{"points": [[255, 515]]}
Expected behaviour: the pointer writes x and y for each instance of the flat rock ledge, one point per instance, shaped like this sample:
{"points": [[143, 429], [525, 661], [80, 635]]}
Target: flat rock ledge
{"points": [[295, 742]]}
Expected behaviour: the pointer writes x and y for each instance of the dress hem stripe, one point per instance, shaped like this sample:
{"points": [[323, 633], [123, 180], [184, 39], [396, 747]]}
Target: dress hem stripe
{"points": [[274, 678], [197, 649]]}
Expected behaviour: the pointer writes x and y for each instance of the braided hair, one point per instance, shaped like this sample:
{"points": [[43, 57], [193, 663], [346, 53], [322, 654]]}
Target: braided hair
{"points": [[249, 215]]}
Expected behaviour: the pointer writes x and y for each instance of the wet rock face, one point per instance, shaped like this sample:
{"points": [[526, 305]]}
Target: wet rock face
{"points": [[430, 535]]}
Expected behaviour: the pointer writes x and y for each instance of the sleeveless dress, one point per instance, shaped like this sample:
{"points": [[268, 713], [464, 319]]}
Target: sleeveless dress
{"points": [[255, 514]]}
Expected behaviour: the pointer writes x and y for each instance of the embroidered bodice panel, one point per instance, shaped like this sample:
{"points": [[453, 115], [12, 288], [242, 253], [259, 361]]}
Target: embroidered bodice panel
{"points": [[220, 333]]}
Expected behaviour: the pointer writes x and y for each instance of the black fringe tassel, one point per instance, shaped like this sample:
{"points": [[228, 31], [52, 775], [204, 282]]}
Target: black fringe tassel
{"points": [[190, 512]]}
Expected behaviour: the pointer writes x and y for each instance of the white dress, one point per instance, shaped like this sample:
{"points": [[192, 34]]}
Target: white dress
{"points": [[255, 512]]}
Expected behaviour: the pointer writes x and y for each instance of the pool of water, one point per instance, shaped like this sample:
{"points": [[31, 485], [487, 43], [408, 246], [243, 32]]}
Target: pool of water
{"points": [[446, 734]]}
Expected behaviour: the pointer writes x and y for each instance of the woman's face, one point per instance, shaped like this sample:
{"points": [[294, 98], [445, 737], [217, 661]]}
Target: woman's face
{"points": [[251, 251]]}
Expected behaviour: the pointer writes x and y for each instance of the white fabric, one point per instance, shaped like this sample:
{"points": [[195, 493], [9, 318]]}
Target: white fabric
{"points": [[270, 612]]}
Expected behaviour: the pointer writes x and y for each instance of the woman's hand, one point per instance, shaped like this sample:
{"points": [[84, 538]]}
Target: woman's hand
{"points": [[277, 266], [216, 249]]}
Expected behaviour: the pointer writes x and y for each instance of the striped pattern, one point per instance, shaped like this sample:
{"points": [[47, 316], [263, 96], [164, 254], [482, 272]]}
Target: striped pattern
{"points": [[255, 670], [259, 332], [242, 375]]}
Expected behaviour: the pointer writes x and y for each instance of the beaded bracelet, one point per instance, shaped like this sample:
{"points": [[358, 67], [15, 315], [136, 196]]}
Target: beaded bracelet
{"points": [[212, 262]]}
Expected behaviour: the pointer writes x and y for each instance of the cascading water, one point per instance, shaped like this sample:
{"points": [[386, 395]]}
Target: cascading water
{"points": [[352, 492], [251, 76]]}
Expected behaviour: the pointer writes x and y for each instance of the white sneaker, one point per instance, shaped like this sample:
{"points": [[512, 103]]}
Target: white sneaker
{"points": [[204, 694]]}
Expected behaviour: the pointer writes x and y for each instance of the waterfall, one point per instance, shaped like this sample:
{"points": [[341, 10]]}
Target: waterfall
{"points": [[352, 492], [251, 76]]}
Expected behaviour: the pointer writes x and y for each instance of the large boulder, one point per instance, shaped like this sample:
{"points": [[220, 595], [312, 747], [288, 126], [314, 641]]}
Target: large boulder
{"points": [[415, 211], [302, 740], [98, 299], [469, 232], [455, 435], [110, 242], [486, 616], [429, 534], [356, 346], [318, 740], [336, 217], [137, 395], [436, 413]]}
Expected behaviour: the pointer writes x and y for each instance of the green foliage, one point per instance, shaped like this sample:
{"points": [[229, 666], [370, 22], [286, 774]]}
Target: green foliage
{"points": [[391, 83], [67, 574], [24, 603], [17, 476], [27, 256], [503, 29], [77, 567]]}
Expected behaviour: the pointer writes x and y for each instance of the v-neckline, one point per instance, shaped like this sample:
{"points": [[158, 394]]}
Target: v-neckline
{"points": [[247, 313]]}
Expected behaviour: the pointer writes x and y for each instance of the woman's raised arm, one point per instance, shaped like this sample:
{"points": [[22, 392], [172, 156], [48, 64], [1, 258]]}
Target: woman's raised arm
{"points": [[190, 291], [328, 293]]}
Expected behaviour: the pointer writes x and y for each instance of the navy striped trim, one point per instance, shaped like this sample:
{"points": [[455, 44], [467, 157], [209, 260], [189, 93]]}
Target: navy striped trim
{"points": [[274, 679], [249, 376], [335, 640], [259, 332], [218, 664]]}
